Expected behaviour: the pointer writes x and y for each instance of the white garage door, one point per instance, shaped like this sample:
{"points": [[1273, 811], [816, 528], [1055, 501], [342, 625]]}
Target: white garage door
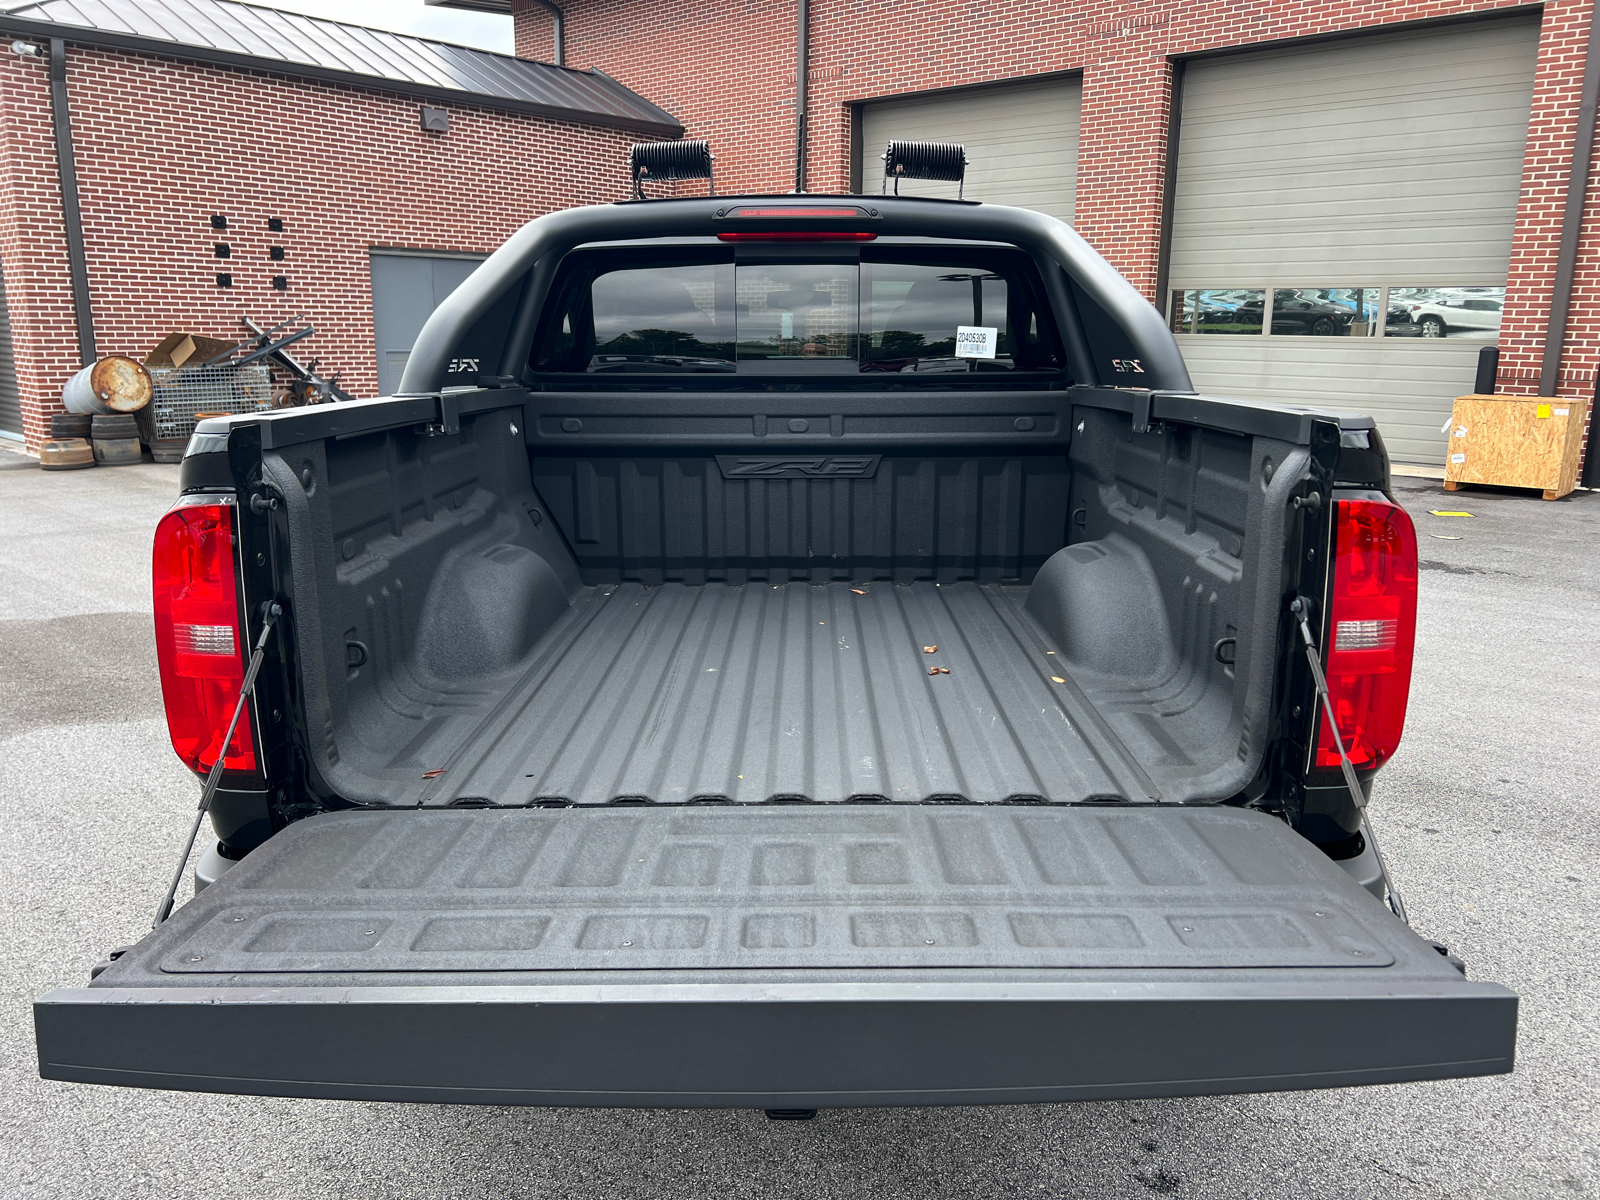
{"points": [[1021, 140], [406, 288], [1343, 220]]}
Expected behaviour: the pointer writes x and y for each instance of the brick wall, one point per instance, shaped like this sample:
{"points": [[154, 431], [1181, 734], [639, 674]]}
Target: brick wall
{"points": [[725, 68], [163, 144]]}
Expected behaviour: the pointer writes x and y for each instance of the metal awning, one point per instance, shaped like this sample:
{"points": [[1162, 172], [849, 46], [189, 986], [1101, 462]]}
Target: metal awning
{"points": [[246, 35]]}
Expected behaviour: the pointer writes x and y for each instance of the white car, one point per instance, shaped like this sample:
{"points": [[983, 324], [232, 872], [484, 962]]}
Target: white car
{"points": [[1440, 315]]}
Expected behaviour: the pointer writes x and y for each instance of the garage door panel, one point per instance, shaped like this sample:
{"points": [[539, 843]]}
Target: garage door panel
{"points": [[1022, 142], [1407, 385], [10, 402], [1375, 156], [1373, 162]]}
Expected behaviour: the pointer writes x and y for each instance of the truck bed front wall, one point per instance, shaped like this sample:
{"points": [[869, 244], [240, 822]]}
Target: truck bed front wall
{"points": [[778, 1045]]}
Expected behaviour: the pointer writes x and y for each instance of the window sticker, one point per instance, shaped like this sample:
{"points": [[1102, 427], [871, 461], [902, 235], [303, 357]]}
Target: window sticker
{"points": [[976, 341]]}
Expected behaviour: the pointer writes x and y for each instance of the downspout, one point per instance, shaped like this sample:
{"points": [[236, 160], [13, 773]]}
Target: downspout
{"points": [[1555, 332], [802, 74], [559, 33], [71, 214]]}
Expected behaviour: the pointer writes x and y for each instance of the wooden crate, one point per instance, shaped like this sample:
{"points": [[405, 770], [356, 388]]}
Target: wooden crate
{"points": [[1516, 441]]}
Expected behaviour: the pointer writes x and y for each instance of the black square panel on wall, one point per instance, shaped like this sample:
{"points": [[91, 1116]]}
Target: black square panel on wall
{"points": [[224, 279], [280, 283]]}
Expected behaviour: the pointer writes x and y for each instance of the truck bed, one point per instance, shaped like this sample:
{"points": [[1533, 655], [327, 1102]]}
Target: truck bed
{"points": [[594, 628], [817, 692]]}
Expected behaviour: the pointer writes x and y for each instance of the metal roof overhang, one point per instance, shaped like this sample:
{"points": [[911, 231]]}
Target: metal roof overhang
{"points": [[82, 35], [489, 6]]}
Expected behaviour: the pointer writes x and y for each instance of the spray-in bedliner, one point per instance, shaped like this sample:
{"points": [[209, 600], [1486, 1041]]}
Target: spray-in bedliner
{"points": [[822, 692]]}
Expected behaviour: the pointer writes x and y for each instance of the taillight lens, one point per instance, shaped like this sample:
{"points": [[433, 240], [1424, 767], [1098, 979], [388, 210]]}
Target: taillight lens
{"points": [[199, 644], [1373, 627]]}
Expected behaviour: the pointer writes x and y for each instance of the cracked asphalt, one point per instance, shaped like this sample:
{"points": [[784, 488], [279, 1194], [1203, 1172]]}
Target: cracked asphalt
{"points": [[1489, 814]]}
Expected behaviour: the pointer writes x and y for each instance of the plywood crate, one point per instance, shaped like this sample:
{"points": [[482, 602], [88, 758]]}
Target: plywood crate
{"points": [[1516, 441]]}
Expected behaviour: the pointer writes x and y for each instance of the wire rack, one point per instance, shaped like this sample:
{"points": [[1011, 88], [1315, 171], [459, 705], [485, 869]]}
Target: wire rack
{"points": [[181, 393]]}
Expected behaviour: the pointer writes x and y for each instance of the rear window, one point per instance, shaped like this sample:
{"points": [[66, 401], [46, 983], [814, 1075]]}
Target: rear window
{"points": [[897, 311]]}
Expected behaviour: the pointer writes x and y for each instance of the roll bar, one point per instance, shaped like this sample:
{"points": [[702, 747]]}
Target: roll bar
{"points": [[1114, 336]]}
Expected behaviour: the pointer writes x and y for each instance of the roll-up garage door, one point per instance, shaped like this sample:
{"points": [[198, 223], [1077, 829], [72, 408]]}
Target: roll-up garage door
{"points": [[1021, 140], [10, 402], [406, 288], [1343, 220]]}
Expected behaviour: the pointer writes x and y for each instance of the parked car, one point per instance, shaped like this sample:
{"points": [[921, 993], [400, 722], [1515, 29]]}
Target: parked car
{"points": [[791, 738], [1299, 311], [1446, 313]]}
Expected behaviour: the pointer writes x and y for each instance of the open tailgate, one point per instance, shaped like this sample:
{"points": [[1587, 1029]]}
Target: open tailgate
{"points": [[778, 957]]}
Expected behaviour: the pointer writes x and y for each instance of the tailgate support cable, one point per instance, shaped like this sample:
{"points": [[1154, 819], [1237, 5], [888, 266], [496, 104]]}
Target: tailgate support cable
{"points": [[271, 611], [1301, 608]]}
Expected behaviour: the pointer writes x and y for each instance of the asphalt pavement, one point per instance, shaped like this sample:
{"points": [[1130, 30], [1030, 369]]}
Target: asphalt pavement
{"points": [[1489, 815]]}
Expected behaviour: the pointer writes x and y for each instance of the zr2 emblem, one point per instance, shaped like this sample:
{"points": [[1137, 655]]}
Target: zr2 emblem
{"points": [[798, 466], [1127, 366]]}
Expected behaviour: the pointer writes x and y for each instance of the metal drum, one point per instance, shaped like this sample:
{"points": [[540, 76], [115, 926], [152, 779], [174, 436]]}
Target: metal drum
{"points": [[114, 384]]}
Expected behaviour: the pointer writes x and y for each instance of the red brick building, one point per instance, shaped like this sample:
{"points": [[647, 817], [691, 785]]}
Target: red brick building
{"points": [[177, 118], [1199, 131], [1274, 171]]}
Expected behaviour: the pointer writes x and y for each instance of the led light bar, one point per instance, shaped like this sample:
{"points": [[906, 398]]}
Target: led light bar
{"points": [[671, 160], [925, 160]]}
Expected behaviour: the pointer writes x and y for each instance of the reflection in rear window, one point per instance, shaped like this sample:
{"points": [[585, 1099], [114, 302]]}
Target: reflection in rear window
{"points": [[618, 317], [659, 317], [911, 313]]}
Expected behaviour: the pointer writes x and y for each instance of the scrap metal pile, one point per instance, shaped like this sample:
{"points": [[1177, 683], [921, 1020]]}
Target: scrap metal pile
{"points": [[185, 379]]}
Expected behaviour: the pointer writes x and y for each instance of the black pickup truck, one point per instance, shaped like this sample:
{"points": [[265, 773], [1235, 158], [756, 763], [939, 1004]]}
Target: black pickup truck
{"points": [[786, 652]]}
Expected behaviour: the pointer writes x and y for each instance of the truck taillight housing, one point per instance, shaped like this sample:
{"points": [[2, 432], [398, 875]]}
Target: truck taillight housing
{"points": [[1372, 627], [199, 643]]}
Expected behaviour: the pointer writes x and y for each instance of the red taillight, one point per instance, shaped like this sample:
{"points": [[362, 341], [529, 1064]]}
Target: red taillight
{"points": [[199, 644], [797, 235], [1372, 631]]}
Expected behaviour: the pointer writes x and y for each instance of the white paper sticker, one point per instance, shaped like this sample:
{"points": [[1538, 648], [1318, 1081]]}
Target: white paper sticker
{"points": [[976, 341], [1458, 458], [1561, 412], [1461, 431]]}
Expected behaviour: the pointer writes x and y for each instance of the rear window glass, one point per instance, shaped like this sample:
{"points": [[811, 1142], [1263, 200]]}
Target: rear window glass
{"points": [[659, 316], [615, 316]]}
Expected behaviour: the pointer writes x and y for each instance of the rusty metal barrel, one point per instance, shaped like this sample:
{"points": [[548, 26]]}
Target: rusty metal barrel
{"points": [[115, 384]]}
